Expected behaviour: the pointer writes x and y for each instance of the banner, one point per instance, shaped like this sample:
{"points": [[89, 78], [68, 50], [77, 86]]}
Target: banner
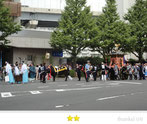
{"points": [[57, 53]]}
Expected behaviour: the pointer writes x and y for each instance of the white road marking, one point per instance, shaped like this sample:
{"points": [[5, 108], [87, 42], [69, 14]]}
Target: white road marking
{"points": [[114, 83], [60, 90], [136, 93], [126, 82], [6, 94], [35, 92], [111, 97], [89, 88], [62, 85], [59, 106]]}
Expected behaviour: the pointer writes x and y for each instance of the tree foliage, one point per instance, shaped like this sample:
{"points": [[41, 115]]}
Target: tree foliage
{"points": [[112, 30], [7, 26], [137, 18], [77, 29]]}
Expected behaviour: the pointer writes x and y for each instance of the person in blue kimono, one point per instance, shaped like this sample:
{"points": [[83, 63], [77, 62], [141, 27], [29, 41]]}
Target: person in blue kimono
{"points": [[24, 72], [9, 72], [32, 71]]}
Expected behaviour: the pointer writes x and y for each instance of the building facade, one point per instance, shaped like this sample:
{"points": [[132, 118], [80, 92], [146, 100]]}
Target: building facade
{"points": [[15, 8], [32, 43]]}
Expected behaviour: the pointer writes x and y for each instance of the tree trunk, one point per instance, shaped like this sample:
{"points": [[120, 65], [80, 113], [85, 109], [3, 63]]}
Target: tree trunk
{"points": [[140, 57], [74, 60], [104, 57]]}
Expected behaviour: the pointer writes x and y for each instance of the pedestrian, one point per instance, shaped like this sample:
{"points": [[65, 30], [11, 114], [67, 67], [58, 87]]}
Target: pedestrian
{"points": [[87, 70], [43, 74], [116, 69], [32, 72], [124, 72], [18, 77], [143, 71], [146, 70], [130, 70], [140, 71], [78, 71], [9, 72], [135, 71], [103, 72], [3, 72], [94, 72], [37, 72], [40, 71], [24, 72]]}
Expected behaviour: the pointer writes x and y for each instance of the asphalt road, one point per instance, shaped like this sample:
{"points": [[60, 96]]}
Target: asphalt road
{"points": [[74, 95]]}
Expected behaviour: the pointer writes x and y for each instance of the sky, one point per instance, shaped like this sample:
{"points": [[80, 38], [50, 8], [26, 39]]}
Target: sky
{"points": [[96, 5]]}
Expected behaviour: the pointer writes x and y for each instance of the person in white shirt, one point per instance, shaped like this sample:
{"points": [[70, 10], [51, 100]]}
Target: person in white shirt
{"points": [[9, 72], [87, 70], [103, 72], [37, 72], [18, 77]]}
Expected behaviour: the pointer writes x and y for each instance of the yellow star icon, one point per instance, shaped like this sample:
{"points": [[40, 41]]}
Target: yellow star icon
{"points": [[70, 118], [76, 118]]}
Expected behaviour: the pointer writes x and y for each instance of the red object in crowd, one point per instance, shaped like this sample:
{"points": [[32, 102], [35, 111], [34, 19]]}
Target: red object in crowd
{"points": [[49, 75]]}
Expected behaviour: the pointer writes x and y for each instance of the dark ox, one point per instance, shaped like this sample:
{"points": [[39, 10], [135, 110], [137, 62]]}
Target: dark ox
{"points": [[62, 71]]}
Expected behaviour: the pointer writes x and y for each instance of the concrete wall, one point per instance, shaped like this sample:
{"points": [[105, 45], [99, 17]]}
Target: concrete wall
{"points": [[37, 56], [43, 14], [30, 39], [95, 5]]}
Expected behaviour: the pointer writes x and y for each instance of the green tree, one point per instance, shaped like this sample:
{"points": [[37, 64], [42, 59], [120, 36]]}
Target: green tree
{"points": [[112, 30], [137, 18], [77, 29], [7, 26]]}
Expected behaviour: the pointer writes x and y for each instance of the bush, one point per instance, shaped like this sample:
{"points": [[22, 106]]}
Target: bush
{"points": [[83, 60], [72, 73]]}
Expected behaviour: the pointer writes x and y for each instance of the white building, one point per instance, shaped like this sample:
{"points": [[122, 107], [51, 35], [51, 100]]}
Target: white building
{"points": [[123, 6]]}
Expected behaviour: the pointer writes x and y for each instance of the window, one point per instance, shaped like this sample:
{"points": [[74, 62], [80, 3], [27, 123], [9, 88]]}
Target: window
{"points": [[29, 57]]}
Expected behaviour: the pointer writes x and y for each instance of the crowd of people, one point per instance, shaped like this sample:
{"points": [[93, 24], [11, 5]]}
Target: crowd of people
{"points": [[19, 73], [24, 73], [113, 72], [15, 74]]}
